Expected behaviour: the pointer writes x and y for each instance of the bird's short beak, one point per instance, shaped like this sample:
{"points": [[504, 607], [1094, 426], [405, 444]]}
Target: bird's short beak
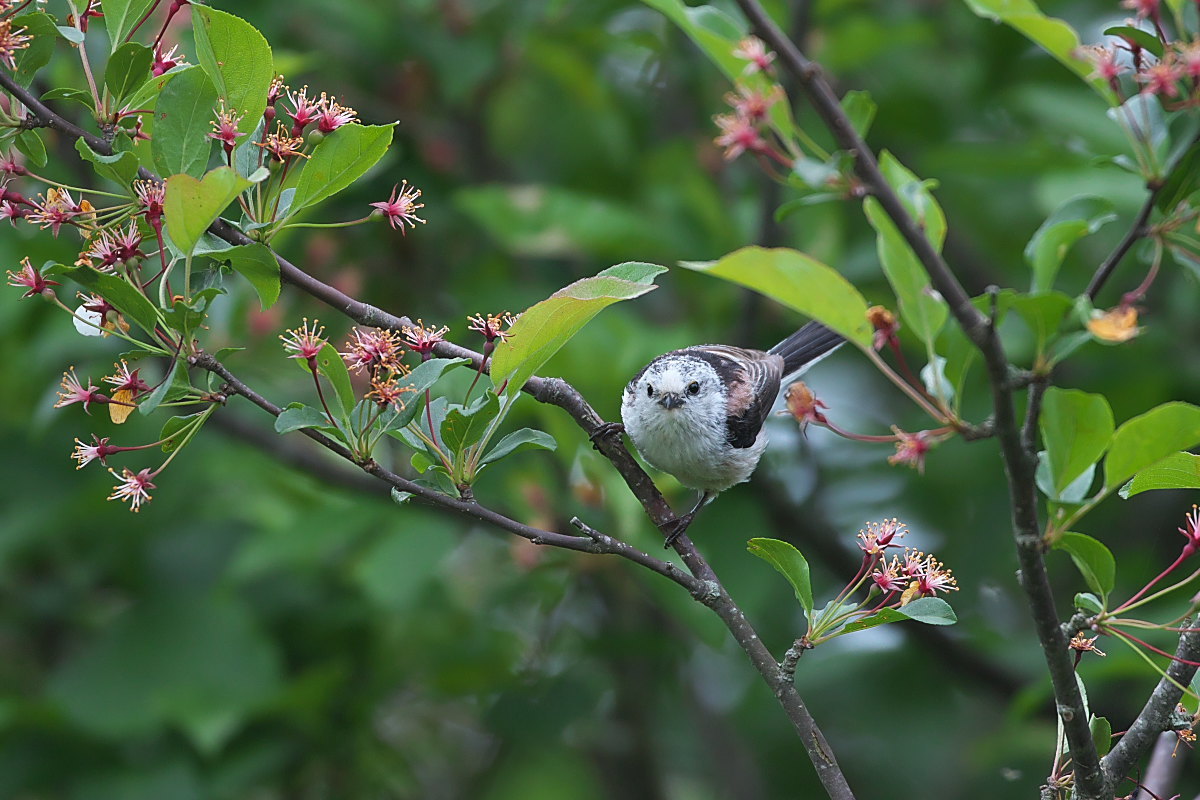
{"points": [[670, 400]]}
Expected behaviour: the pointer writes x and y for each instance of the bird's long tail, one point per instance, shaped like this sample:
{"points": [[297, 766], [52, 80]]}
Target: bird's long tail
{"points": [[806, 346]]}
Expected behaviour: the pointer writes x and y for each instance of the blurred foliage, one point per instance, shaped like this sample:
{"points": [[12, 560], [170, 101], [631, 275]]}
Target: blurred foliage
{"points": [[258, 632]]}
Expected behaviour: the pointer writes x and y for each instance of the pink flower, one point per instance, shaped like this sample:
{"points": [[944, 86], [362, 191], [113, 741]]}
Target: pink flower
{"points": [[75, 392], [401, 207], [225, 129], [132, 487], [127, 381], [738, 134], [1192, 530], [1162, 78], [332, 116], [492, 326], [753, 49], [910, 449], [879, 536], [373, 349], [305, 342], [30, 278], [753, 105], [304, 111], [11, 41], [166, 61], [422, 340], [98, 450]]}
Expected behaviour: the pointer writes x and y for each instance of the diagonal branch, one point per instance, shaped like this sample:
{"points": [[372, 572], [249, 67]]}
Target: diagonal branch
{"points": [[1019, 462], [1135, 232], [1154, 716]]}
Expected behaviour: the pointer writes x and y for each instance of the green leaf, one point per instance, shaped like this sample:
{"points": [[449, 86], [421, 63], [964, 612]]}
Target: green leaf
{"points": [[256, 263], [860, 109], [917, 197], [182, 121], [1147, 439], [148, 93], [1074, 492], [1053, 35], [128, 68], [1100, 727], [1093, 560], [923, 310], [929, 610], [331, 365], [339, 160], [1076, 429], [238, 61], [799, 282], [31, 144], [1143, 39], [1043, 313], [120, 168], [298, 416], [129, 301], [41, 27], [1176, 471], [71, 94], [515, 442], [546, 326], [121, 15], [155, 399], [464, 427], [790, 563], [881, 617], [192, 205], [1070, 222], [173, 426], [1088, 603]]}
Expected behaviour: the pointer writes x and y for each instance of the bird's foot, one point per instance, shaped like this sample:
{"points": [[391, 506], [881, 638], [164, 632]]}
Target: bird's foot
{"points": [[677, 528], [605, 430]]}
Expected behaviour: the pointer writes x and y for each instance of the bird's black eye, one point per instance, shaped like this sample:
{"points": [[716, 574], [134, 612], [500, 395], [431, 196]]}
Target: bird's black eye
{"points": [[649, 390], [694, 387]]}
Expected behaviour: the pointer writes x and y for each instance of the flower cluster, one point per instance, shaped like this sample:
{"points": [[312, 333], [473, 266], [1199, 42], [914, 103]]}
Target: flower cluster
{"points": [[889, 582], [742, 131], [1169, 70]]}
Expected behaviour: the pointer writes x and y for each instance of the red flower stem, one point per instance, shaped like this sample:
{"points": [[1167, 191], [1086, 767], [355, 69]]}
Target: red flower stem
{"points": [[858, 437], [429, 418], [312, 367], [882, 603], [1149, 646], [1188, 549], [145, 17], [917, 384], [867, 561]]}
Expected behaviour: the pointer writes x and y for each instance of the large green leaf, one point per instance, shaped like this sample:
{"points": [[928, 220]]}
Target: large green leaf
{"points": [[237, 59], [1076, 429], [192, 205], [798, 281], [1070, 222], [515, 442], [546, 326], [463, 427], [923, 310], [40, 50], [128, 68], [917, 197], [790, 563], [256, 263], [339, 160], [929, 610], [182, 121], [1053, 35], [1147, 439], [121, 15], [121, 168], [119, 292], [1176, 471], [1093, 560]]}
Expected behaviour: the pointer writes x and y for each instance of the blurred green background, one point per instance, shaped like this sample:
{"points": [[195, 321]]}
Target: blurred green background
{"points": [[264, 631]]}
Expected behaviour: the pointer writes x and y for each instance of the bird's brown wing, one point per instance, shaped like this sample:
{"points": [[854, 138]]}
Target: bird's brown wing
{"points": [[753, 379]]}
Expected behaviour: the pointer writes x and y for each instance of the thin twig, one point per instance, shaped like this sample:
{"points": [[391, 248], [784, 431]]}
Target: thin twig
{"points": [[1135, 232]]}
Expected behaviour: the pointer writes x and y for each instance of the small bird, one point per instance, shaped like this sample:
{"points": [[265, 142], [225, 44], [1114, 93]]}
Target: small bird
{"points": [[698, 413]]}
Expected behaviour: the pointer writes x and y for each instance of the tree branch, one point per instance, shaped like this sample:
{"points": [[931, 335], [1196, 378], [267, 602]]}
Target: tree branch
{"points": [[1019, 463], [1135, 232], [1155, 715]]}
